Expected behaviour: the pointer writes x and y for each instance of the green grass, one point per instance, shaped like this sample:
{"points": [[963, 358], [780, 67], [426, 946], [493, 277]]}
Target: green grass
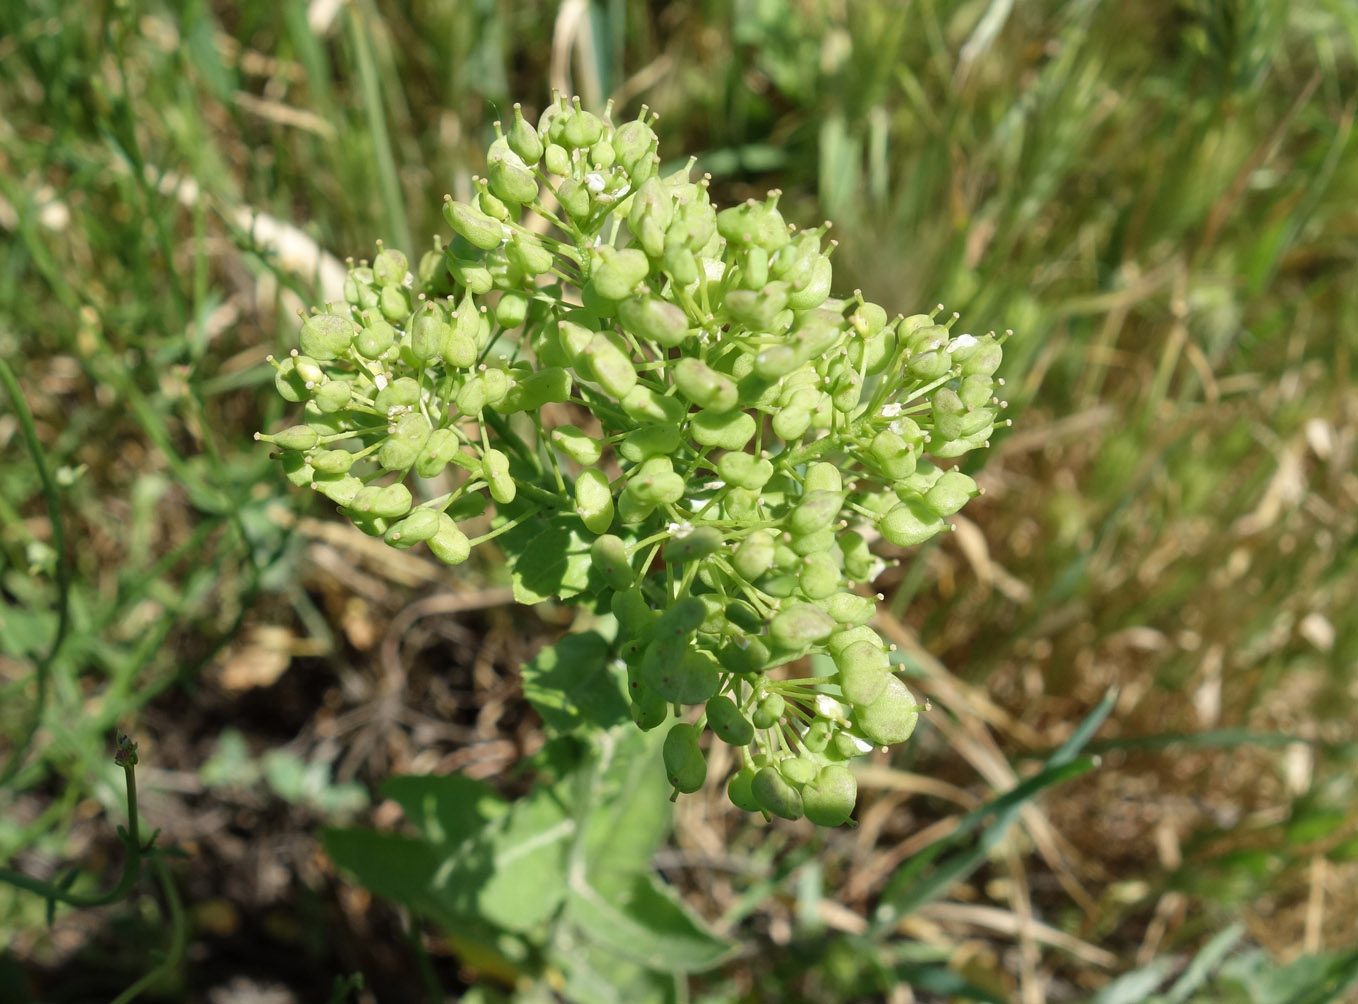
{"points": [[1158, 200]]}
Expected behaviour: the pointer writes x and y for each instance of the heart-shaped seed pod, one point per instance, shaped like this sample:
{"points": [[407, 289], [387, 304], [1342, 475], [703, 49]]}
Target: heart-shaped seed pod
{"points": [[829, 799], [704, 386], [730, 430], [577, 444], [950, 493], [649, 441], [450, 545], [649, 709], [403, 445], [910, 523], [685, 765], [727, 723], [327, 336], [612, 367], [798, 770], [691, 678], [739, 789], [441, 446], [768, 711], [529, 392], [849, 608], [339, 490], [891, 718], [420, 525], [654, 320], [473, 226], [819, 576], [773, 794], [863, 670], [392, 502], [754, 555], [800, 624], [608, 557], [695, 545], [744, 470]]}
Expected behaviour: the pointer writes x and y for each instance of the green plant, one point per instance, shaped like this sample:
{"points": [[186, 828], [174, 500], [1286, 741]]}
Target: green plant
{"points": [[675, 422]]}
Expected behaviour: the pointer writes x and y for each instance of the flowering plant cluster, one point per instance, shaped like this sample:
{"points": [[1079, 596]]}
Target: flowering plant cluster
{"points": [[666, 404]]}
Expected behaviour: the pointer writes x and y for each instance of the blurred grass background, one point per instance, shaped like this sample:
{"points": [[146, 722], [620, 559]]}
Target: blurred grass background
{"points": [[1160, 199]]}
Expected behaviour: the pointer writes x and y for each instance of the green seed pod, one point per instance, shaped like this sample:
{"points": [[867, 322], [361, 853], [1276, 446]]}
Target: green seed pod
{"points": [[634, 614], [339, 490], [615, 274], [492, 206], [819, 576], [863, 671], [428, 333], [327, 336], [441, 446], [950, 493], [512, 183], [392, 502], [523, 139], [601, 154], [529, 392], [704, 386], [633, 142], [757, 309], [390, 267], [744, 470], [695, 545], [893, 455], [769, 711], [680, 264], [420, 525], [654, 320], [374, 338], [910, 523], [774, 795], [817, 735], [983, 358], [528, 256], [726, 721], [846, 746], [743, 616], [823, 477], [754, 555], [849, 608], [289, 383], [791, 424], [473, 226], [812, 293], [472, 275], [649, 441], [402, 447], [450, 545], [649, 709], [841, 640], [813, 543], [471, 397], [512, 310], [631, 510], [643, 405], [574, 198], [818, 510], [976, 391], [577, 444], [739, 789], [557, 160], [608, 555], [495, 469], [948, 411], [776, 361], [727, 430], [612, 368], [297, 437], [685, 764], [740, 504], [739, 655], [682, 618], [797, 770], [331, 462], [661, 488], [800, 624], [829, 800], [690, 678], [891, 718], [582, 129]]}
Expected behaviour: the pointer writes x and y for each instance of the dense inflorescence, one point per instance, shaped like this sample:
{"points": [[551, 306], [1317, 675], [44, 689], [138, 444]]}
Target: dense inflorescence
{"points": [[741, 436]]}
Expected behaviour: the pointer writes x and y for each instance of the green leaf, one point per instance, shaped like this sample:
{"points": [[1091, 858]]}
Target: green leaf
{"points": [[649, 925], [394, 867], [445, 809], [632, 812], [554, 561], [595, 976], [573, 684]]}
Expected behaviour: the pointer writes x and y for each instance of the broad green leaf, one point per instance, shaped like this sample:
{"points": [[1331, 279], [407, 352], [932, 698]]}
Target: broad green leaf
{"points": [[595, 976], [548, 558], [632, 812], [649, 925], [394, 867], [574, 684], [445, 809]]}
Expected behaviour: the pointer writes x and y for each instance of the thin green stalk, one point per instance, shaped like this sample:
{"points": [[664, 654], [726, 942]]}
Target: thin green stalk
{"points": [[52, 500], [369, 87]]}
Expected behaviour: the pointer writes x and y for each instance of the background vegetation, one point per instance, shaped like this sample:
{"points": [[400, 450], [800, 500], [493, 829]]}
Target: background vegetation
{"points": [[1159, 198]]}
